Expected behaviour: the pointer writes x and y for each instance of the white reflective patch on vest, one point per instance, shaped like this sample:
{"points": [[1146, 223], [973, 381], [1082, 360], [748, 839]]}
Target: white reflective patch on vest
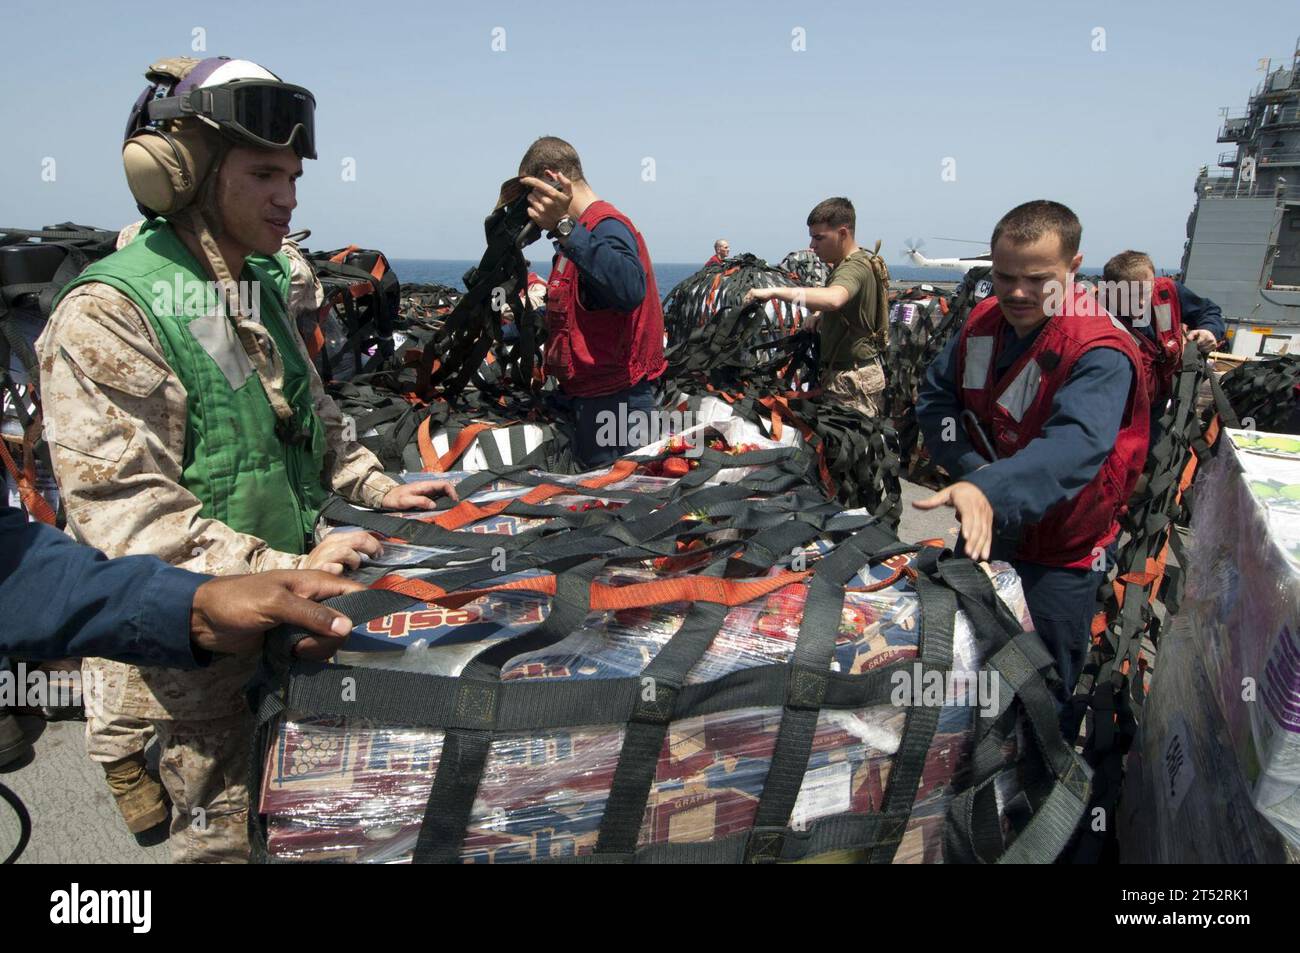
{"points": [[218, 338], [1118, 324], [979, 354], [1022, 391], [1164, 317]]}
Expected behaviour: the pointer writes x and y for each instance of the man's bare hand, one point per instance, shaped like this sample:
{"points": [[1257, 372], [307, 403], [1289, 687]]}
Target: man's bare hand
{"points": [[1205, 340], [548, 202], [759, 294], [416, 496], [229, 614], [974, 512], [339, 551]]}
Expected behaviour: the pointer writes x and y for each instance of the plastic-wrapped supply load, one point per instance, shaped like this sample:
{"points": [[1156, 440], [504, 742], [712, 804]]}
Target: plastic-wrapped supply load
{"points": [[718, 667], [1243, 602], [1186, 800]]}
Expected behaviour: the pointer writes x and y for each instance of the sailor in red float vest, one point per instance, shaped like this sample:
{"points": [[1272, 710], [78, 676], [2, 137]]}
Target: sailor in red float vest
{"points": [[721, 249], [1161, 313], [605, 326], [1050, 387]]}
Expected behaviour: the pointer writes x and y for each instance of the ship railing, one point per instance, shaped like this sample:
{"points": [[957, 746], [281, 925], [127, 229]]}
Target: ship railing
{"points": [[1225, 186], [1234, 127], [1279, 155], [1287, 115]]}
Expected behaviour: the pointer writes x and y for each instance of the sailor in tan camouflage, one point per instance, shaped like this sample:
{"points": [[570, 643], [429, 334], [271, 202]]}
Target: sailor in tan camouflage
{"points": [[116, 419]]}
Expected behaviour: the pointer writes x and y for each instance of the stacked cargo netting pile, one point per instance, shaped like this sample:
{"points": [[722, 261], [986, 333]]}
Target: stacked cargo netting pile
{"points": [[424, 304], [953, 310], [352, 332], [804, 264], [696, 303], [1263, 395], [919, 326], [728, 358], [692, 656], [451, 387], [34, 265]]}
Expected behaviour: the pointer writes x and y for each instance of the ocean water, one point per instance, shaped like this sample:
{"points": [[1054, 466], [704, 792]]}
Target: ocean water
{"points": [[446, 271]]}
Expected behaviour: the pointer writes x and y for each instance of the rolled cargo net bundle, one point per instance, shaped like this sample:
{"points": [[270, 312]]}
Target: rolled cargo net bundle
{"points": [[352, 333], [705, 662], [807, 267], [1263, 395], [698, 300], [773, 386], [427, 304], [460, 390]]}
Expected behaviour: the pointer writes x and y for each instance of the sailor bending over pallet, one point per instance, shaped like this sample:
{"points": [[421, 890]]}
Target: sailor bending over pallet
{"points": [[1036, 409]]}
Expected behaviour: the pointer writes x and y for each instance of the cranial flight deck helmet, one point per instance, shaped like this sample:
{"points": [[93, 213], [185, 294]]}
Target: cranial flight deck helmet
{"points": [[180, 128], [184, 120]]}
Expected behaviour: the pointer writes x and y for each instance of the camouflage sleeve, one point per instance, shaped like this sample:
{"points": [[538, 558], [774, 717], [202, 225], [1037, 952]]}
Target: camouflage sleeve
{"points": [[115, 420], [127, 235], [353, 471]]}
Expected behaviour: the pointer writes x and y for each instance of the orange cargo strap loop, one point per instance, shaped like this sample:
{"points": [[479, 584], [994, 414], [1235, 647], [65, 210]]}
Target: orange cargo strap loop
{"points": [[25, 480], [604, 597], [441, 464], [465, 513]]}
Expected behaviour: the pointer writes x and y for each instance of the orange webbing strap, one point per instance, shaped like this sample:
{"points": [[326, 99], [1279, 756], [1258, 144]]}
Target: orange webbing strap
{"points": [[780, 408], [713, 293], [901, 565], [465, 513], [778, 427], [25, 480], [604, 597], [441, 464], [316, 342], [377, 271]]}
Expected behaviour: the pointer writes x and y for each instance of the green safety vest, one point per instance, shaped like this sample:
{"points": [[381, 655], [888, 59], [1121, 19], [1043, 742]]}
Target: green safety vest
{"points": [[235, 463]]}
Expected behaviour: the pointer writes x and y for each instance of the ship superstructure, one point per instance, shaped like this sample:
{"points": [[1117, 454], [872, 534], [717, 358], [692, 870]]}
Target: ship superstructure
{"points": [[1243, 248]]}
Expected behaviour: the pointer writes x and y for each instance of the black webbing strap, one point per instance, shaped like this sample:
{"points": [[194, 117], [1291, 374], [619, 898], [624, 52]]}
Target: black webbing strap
{"points": [[465, 750], [809, 671], [1017, 659], [934, 654], [643, 739]]}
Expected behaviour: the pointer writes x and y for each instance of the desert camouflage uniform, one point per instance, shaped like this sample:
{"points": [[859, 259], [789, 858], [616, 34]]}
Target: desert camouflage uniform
{"points": [[115, 418]]}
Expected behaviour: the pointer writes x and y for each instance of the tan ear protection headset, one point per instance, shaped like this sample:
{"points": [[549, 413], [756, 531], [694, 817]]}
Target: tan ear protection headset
{"points": [[167, 165]]}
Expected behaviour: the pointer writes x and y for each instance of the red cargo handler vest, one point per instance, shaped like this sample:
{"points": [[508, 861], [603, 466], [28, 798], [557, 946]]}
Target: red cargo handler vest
{"points": [[1014, 408], [592, 353], [1162, 357]]}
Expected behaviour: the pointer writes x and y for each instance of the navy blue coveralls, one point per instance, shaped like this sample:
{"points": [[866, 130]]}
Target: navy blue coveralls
{"points": [[1079, 434]]}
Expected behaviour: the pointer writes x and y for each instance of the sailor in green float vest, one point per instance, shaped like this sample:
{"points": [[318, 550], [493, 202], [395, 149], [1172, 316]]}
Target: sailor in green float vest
{"points": [[187, 421]]}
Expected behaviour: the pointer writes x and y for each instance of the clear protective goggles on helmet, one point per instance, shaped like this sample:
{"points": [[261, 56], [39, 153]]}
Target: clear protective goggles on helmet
{"points": [[266, 113]]}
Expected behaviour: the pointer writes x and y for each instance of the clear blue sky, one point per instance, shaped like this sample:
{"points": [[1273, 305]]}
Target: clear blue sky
{"points": [[746, 133]]}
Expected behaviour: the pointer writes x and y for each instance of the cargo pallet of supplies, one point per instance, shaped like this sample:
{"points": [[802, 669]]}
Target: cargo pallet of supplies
{"points": [[628, 666]]}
